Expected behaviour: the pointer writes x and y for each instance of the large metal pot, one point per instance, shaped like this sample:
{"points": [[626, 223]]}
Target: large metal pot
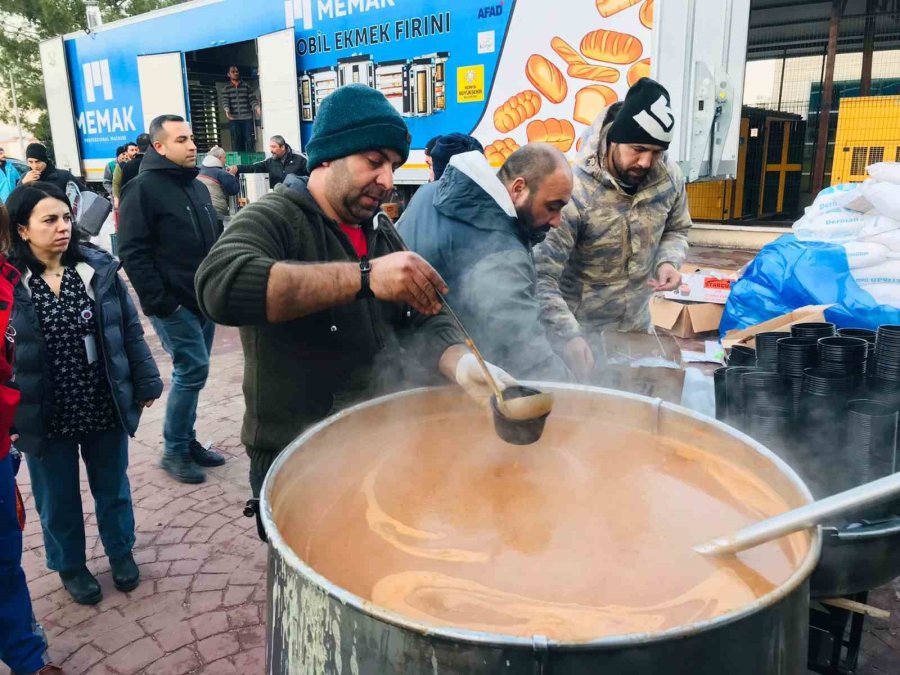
{"points": [[316, 627], [857, 557]]}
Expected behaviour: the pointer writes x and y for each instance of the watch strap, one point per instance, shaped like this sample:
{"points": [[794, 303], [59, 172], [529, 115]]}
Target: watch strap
{"points": [[365, 268]]}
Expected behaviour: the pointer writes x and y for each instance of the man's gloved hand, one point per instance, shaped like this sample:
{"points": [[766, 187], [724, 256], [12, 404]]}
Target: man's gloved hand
{"points": [[472, 379]]}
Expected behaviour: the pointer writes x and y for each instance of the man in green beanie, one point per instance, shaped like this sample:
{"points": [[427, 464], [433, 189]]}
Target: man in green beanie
{"points": [[326, 302]]}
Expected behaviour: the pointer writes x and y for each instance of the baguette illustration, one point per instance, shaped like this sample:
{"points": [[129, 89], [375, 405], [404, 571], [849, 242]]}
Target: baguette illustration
{"points": [[567, 52], [611, 47], [637, 71], [497, 152], [546, 78], [592, 101], [597, 73], [557, 132], [610, 7], [647, 13], [578, 144], [516, 110]]}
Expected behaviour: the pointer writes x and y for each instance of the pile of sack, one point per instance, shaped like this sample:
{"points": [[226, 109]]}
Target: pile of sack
{"points": [[863, 218]]}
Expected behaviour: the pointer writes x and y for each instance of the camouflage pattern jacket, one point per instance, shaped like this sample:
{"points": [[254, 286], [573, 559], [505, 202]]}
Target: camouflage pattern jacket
{"points": [[593, 270]]}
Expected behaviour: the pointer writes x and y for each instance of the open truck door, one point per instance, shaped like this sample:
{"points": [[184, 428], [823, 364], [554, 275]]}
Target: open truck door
{"points": [[278, 86], [161, 78], [699, 52], [59, 104]]}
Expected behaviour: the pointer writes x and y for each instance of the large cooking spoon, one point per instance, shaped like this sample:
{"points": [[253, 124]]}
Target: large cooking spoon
{"points": [[807, 516], [518, 409]]}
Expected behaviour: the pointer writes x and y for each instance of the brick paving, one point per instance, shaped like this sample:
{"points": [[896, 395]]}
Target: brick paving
{"points": [[200, 607]]}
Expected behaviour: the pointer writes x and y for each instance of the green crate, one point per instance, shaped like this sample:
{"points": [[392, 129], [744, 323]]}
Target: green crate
{"points": [[232, 158]]}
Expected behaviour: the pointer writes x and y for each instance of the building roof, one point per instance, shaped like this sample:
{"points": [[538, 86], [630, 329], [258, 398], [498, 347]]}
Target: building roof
{"points": [[780, 28]]}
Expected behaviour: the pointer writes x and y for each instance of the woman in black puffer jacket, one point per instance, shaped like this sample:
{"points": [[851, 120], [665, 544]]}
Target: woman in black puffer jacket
{"points": [[85, 374]]}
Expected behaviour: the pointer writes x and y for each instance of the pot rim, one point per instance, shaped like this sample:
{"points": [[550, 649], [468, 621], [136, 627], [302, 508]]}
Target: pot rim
{"points": [[345, 597]]}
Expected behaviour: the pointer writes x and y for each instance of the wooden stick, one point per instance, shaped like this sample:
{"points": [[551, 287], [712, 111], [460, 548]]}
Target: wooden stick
{"points": [[857, 607]]}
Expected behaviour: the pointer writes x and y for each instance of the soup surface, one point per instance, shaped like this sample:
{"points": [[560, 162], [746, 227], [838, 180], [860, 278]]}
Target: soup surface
{"points": [[585, 534]]}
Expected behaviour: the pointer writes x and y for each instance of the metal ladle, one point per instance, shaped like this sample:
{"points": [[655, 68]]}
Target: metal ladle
{"points": [[804, 517], [518, 409]]}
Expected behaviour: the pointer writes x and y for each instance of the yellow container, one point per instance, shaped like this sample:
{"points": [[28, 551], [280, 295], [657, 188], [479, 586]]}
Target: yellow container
{"points": [[711, 200], [868, 131]]}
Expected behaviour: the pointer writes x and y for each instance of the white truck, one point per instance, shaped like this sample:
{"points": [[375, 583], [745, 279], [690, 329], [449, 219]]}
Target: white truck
{"points": [[507, 72]]}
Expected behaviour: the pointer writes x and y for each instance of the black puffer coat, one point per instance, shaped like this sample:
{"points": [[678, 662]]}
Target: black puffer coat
{"points": [[167, 224], [131, 371]]}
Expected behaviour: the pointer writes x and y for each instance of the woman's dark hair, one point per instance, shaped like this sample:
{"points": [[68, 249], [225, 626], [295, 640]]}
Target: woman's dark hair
{"points": [[21, 204]]}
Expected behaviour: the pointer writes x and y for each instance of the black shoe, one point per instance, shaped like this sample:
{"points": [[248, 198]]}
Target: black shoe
{"points": [[125, 573], [82, 586], [182, 468], [205, 456]]}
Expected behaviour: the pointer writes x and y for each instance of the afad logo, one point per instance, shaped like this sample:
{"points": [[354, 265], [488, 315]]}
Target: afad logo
{"points": [[334, 9], [490, 11], [110, 120]]}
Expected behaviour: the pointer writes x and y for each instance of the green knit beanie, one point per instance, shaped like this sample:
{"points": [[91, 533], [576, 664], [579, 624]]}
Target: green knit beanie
{"points": [[355, 118]]}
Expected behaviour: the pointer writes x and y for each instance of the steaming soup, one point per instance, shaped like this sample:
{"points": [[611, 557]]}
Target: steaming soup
{"points": [[585, 534]]}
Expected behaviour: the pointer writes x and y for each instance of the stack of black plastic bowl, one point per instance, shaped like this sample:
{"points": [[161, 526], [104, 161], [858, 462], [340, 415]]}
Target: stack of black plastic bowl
{"points": [[767, 350], [839, 431], [734, 395], [844, 355], [865, 334], [794, 355], [887, 353], [812, 330], [742, 355]]}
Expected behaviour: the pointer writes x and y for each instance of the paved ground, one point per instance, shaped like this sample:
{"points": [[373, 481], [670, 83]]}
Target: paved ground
{"points": [[200, 607]]}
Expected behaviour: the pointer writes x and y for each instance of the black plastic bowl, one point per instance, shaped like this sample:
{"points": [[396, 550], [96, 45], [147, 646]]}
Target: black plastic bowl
{"points": [[517, 432]]}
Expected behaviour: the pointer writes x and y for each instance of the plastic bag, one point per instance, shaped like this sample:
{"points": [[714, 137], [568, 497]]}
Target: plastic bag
{"points": [[862, 254], [833, 197], [887, 172], [884, 198], [889, 239], [837, 225], [789, 274]]}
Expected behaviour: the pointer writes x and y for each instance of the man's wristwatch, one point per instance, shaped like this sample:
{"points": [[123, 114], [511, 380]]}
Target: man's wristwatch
{"points": [[365, 268]]}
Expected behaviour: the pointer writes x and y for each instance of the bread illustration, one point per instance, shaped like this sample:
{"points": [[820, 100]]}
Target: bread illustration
{"points": [[546, 78], [497, 152], [591, 101], [597, 73], [578, 144], [516, 110], [567, 52], [610, 7], [647, 13], [611, 47], [638, 70], [560, 133]]}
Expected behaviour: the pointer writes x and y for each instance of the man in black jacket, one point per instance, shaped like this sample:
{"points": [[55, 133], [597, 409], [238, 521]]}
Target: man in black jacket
{"points": [[42, 169], [131, 168], [283, 162], [167, 225], [325, 300]]}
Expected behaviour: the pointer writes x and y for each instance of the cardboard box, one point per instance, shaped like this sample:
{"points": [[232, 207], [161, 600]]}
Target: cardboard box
{"points": [[639, 363], [704, 285], [685, 319], [783, 323]]}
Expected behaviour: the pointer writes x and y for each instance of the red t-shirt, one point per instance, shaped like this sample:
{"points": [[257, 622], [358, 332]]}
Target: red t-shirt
{"points": [[358, 238]]}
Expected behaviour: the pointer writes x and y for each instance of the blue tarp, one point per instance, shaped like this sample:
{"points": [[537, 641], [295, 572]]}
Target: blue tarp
{"points": [[789, 274]]}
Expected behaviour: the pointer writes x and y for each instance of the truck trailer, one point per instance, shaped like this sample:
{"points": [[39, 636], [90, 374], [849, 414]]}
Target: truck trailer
{"points": [[507, 72]]}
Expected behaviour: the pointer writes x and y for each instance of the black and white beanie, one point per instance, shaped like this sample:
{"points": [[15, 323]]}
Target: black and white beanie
{"points": [[646, 116]]}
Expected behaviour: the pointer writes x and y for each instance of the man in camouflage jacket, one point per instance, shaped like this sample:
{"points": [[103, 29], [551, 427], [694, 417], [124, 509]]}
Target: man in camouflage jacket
{"points": [[624, 234]]}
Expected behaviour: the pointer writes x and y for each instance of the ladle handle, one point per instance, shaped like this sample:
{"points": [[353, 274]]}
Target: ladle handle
{"points": [[469, 342], [806, 516]]}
